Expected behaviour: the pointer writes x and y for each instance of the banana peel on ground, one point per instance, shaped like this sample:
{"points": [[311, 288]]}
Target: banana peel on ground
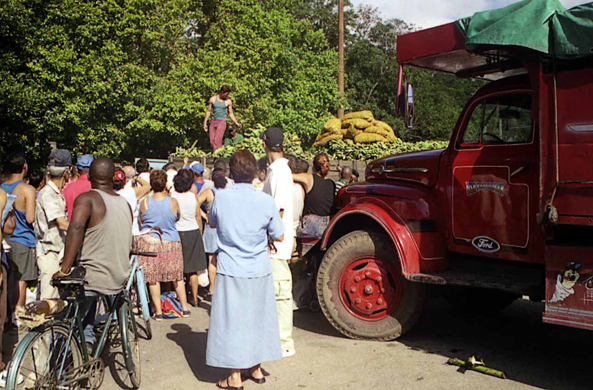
{"points": [[476, 365]]}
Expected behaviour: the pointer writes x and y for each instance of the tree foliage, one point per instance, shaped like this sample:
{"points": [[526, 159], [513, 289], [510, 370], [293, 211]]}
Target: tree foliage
{"points": [[131, 78]]}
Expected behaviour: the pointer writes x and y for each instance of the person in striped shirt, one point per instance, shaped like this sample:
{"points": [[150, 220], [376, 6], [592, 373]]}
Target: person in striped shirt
{"points": [[345, 178]]}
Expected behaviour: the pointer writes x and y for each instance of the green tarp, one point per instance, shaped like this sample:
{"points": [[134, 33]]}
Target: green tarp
{"points": [[541, 25]]}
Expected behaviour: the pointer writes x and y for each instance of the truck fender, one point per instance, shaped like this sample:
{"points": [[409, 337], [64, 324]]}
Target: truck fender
{"points": [[391, 223]]}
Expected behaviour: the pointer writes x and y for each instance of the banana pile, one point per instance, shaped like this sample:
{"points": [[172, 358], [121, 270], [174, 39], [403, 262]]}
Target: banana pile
{"points": [[356, 128]]}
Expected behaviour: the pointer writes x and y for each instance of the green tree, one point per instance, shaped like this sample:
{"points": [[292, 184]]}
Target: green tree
{"points": [[131, 78]]}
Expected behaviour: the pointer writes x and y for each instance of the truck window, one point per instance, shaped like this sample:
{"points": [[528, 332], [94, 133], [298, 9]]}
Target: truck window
{"points": [[500, 120]]}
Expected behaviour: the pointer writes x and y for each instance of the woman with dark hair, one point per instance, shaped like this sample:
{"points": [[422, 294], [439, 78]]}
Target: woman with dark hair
{"points": [[243, 330], [160, 212], [206, 197], [189, 226], [319, 197]]}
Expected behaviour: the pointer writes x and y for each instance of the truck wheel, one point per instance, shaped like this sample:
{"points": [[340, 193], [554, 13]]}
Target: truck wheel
{"points": [[361, 290], [478, 300]]}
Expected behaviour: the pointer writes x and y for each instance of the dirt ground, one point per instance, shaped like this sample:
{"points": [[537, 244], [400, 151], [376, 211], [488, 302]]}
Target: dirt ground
{"points": [[533, 355]]}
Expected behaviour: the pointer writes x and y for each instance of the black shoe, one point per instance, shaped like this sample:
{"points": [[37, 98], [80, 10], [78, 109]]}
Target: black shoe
{"points": [[208, 297]]}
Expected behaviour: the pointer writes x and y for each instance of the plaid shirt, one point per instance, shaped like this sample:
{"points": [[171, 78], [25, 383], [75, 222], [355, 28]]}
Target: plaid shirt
{"points": [[50, 206]]}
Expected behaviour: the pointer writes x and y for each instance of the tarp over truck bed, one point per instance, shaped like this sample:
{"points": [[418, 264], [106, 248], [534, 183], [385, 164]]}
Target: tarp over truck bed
{"points": [[541, 25], [490, 44]]}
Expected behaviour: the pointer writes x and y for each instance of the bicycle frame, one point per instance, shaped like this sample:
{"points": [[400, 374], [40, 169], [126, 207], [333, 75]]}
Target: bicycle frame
{"points": [[73, 323]]}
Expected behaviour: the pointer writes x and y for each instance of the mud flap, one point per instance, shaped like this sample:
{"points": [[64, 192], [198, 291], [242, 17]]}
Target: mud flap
{"points": [[569, 286]]}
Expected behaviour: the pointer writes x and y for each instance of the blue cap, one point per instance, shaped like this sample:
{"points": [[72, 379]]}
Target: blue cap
{"points": [[60, 158], [197, 168], [84, 162]]}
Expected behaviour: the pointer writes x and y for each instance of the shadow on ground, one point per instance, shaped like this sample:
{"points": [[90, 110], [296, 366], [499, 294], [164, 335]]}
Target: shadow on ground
{"points": [[514, 341], [193, 345]]}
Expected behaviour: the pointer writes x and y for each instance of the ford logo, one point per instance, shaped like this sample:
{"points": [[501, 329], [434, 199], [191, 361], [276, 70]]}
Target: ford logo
{"points": [[485, 244]]}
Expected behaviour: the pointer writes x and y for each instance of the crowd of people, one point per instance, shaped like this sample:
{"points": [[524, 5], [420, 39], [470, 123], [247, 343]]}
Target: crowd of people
{"points": [[232, 233]]}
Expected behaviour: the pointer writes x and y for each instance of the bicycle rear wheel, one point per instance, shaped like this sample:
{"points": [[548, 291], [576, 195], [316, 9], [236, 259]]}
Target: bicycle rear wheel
{"points": [[130, 342], [142, 302], [46, 359]]}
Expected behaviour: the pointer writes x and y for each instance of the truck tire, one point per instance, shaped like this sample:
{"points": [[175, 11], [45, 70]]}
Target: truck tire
{"points": [[478, 300], [362, 292]]}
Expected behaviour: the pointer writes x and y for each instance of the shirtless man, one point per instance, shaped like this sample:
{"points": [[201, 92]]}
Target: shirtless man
{"points": [[220, 105], [102, 221], [22, 240]]}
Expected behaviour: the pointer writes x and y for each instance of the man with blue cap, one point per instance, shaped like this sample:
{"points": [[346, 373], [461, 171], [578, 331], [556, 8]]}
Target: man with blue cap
{"points": [[80, 186], [197, 170]]}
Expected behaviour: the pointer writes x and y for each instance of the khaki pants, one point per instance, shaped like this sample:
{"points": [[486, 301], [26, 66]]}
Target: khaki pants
{"points": [[48, 264], [283, 290]]}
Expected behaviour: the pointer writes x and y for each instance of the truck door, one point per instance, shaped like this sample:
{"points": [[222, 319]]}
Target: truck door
{"points": [[493, 178]]}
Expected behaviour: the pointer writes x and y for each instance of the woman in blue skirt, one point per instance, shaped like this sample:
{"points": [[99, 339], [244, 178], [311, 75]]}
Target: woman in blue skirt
{"points": [[243, 329]]}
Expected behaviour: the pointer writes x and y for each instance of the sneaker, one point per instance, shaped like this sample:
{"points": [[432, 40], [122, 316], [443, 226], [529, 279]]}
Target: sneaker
{"points": [[3, 377], [288, 353]]}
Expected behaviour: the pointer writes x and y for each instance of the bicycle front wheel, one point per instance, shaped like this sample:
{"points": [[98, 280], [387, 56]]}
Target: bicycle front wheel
{"points": [[46, 359], [130, 343]]}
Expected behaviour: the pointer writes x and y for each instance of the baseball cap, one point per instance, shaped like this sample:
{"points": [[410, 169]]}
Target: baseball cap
{"points": [[273, 136], [84, 162], [197, 168], [60, 158]]}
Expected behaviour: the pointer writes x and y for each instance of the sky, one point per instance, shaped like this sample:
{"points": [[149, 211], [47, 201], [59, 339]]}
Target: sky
{"points": [[430, 13]]}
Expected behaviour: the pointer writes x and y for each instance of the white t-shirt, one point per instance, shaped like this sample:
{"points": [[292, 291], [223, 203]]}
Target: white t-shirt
{"points": [[129, 195], [298, 204], [145, 176], [171, 173], [280, 186]]}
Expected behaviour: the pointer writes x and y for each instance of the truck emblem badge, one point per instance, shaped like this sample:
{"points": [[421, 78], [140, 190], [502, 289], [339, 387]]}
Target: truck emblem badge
{"points": [[485, 244], [474, 188]]}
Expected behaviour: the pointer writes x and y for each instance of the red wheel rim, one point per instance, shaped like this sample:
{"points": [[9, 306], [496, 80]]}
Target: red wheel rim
{"points": [[370, 289]]}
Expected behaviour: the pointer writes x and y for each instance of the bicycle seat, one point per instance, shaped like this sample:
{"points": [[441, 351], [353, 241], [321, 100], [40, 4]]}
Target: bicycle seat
{"points": [[76, 278]]}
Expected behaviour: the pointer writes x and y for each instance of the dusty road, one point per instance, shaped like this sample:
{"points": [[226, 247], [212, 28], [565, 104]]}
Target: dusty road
{"points": [[532, 354]]}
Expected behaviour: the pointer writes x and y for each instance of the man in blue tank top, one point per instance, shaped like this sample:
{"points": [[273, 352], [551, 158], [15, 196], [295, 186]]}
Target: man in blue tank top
{"points": [[21, 255]]}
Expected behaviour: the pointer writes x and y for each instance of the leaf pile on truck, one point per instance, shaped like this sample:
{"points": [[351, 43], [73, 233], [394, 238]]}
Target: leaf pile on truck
{"points": [[505, 211], [357, 127]]}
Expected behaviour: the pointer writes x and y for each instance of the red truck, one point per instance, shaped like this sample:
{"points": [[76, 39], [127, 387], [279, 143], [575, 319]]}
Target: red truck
{"points": [[506, 211]]}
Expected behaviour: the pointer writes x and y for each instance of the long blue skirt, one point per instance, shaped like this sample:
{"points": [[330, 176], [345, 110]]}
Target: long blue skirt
{"points": [[243, 323]]}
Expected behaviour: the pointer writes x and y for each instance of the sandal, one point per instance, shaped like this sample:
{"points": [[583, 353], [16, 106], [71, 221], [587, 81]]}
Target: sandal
{"points": [[249, 375], [208, 297], [220, 386]]}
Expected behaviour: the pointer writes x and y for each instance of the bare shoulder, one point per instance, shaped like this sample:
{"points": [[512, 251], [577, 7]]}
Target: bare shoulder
{"points": [[25, 190], [211, 100]]}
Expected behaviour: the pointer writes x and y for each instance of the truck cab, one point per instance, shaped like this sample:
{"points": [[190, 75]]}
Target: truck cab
{"points": [[504, 212]]}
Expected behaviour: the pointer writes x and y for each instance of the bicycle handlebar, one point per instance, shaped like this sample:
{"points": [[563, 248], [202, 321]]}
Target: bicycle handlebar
{"points": [[147, 254]]}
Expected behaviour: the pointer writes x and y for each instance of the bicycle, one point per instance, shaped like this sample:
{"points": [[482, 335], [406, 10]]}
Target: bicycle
{"points": [[136, 287], [54, 354]]}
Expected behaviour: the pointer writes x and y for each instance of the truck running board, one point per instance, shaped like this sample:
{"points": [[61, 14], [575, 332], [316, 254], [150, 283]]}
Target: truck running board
{"points": [[518, 278]]}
